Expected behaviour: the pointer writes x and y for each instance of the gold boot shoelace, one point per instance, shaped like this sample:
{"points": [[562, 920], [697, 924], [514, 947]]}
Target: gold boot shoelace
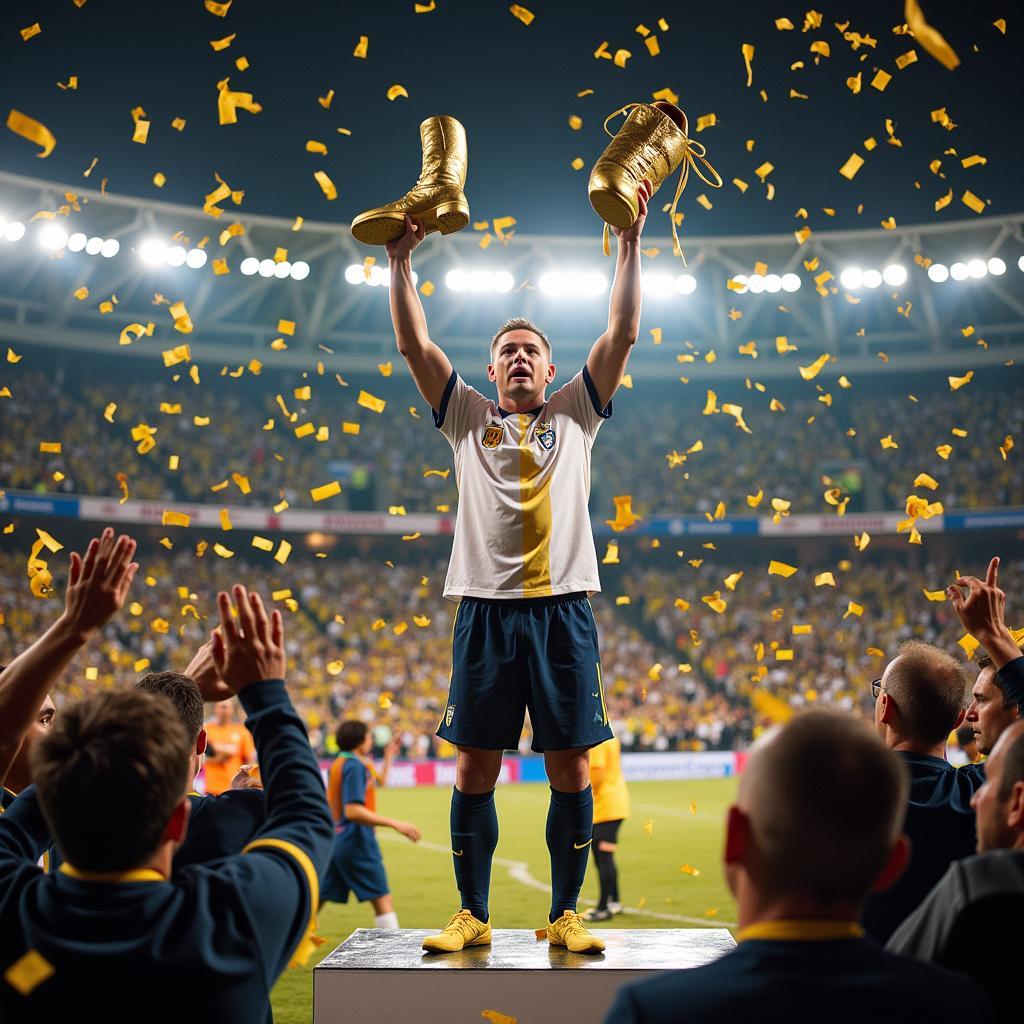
{"points": [[692, 152]]}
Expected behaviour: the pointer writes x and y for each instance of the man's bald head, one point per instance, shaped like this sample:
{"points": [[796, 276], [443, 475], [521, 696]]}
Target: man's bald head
{"points": [[824, 800], [928, 687]]}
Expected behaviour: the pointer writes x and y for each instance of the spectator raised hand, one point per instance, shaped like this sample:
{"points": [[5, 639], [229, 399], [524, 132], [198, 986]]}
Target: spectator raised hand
{"points": [[202, 669], [98, 585], [250, 648], [980, 606]]}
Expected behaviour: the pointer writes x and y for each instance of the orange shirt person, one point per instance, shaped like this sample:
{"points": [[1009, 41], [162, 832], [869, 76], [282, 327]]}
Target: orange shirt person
{"points": [[229, 746]]}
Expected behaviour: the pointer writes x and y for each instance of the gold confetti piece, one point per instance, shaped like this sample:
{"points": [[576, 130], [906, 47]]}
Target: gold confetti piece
{"points": [[732, 579], [283, 551], [969, 644], [108, 412], [368, 401], [30, 31], [1000, 23], [396, 91], [853, 83], [179, 354], [706, 121], [326, 491], [170, 518], [852, 166], [934, 595], [924, 480], [972, 202], [52, 447], [611, 555], [219, 9], [34, 131], [802, 629], [812, 371], [764, 170], [653, 46], [955, 383], [242, 63], [72, 83], [852, 608], [228, 103], [888, 442], [714, 601], [881, 80], [223, 44], [781, 569], [861, 540], [620, 58], [350, 428], [824, 579], [325, 183], [688, 870], [783, 654], [747, 49], [575, 122]]}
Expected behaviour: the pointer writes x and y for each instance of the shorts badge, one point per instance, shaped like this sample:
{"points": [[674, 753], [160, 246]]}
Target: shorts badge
{"points": [[449, 714], [546, 436], [492, 436]]}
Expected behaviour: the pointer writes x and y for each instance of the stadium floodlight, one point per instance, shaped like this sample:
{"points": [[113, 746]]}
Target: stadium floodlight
{"points": [[377, 278], [756, 283], [456, 280], [195, 259], [110, 248], [152, 251], [53, 237], [282, 270], [573, 284], [266, 268], [686, 284], [1020, 263], [977, 268], [790, 282], [14, 231], [503, 281], [894, 275], [938, 272], [852, 279], [659, 286], [176, 256], [76, 243], [94, 246], [872, 278], [739, 282], [958, 271], [249, 266], [996, 266], [300, 270], [354, 273], [772, 283]]}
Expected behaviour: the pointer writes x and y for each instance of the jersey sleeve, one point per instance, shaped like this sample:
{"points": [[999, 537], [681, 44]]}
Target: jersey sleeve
{"points": [[580, 400], [460, 409], [353, 782]]}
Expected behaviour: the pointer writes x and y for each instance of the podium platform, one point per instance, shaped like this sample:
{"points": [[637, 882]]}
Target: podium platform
{"points": [[380, 974]]}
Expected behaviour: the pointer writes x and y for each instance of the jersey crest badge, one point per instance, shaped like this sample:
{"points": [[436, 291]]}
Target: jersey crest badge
{"points": [[546, 436], [492, 436]]}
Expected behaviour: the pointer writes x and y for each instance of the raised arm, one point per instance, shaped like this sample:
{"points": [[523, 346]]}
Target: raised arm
{"points": [[97, 587], [428, 364], [607, 360]]}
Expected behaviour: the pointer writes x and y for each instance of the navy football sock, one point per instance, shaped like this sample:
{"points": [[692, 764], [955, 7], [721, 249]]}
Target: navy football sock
{"points": [[570, 832], [474, 824]]}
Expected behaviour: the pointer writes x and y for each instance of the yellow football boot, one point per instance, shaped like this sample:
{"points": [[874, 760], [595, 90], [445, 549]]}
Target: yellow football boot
{"points": [[461, 931], [651, 144], [570, 931], [437, 198]]}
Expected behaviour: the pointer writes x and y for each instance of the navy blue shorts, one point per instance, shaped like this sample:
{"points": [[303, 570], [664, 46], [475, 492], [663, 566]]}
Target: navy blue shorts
{"points": [[537, 654], [356, 865]]}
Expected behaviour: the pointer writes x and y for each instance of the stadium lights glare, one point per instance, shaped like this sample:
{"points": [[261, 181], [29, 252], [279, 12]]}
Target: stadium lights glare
{"points": [[996, 266], [375, 277], [790, 282], [195, 259], [479, 281], [14, 231], [94, 246], [756, 283], [894, 275], [852, 278], [282, 270], [53, 237], [266, 268], [938, 273], [740, 281], [1020, 263], [664, 286], [573, 284], [958, 271], [176, 256], [977, 268], [152, 251], [300, 270], [249, 266], [76, 243], [872, 278], [110, 248]]}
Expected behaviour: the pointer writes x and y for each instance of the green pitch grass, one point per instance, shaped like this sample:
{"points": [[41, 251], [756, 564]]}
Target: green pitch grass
{"points": [[649, 859]]}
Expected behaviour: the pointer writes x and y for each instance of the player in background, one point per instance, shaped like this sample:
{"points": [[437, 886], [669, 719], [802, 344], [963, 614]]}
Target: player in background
{"points": [[229, 746], [611, 808]]}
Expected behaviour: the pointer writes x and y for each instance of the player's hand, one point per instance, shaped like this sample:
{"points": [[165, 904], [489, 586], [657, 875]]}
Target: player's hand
{"points": [[409, 830], [632, 233], [251, 647], [244, 779], [203, 671], [401, 247], [394, 748], [98, 584], [980, 604]]}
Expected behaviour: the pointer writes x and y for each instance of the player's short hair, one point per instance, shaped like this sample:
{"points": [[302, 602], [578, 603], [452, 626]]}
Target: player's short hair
{"points": [[520, 323], [351, 734], [929, 687], [109, 773], [826, 799], [986, 662], [182, 692]]}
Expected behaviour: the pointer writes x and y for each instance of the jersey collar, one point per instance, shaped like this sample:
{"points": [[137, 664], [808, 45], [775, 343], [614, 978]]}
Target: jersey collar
{"points": [[138, 875], [529, 412], [800, 930]]}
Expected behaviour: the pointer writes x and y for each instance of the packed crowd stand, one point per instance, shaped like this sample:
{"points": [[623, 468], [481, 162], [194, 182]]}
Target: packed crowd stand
{"points": [[667, 689], [278, 464]]}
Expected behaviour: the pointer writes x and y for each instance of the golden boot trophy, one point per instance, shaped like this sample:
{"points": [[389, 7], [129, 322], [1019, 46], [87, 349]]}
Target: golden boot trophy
{"points": [[651, 144], [437, 198]]}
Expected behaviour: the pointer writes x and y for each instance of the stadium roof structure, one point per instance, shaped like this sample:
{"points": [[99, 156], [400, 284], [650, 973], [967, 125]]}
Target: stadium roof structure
{"points": [[921, 324]]}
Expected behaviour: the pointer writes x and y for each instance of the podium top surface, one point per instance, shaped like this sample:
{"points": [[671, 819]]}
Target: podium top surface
{"points": [[634, 949]]}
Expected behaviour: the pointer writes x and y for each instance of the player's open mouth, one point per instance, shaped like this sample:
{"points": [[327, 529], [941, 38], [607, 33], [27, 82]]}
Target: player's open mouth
{"points": [[520, 375]]}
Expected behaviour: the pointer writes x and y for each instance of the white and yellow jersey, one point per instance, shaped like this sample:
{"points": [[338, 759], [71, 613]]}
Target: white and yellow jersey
{"points": [[523, 527]]}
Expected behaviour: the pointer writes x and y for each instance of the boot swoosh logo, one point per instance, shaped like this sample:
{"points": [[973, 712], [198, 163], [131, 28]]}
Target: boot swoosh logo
{"points": [[579, 846], [459, 854]]}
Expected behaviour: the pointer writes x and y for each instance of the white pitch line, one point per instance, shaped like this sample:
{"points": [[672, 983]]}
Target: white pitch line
{"points": [[519, 871]]}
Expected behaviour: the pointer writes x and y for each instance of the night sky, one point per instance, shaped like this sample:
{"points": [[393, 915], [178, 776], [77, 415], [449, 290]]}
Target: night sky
{"points": [[514, 87]]}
